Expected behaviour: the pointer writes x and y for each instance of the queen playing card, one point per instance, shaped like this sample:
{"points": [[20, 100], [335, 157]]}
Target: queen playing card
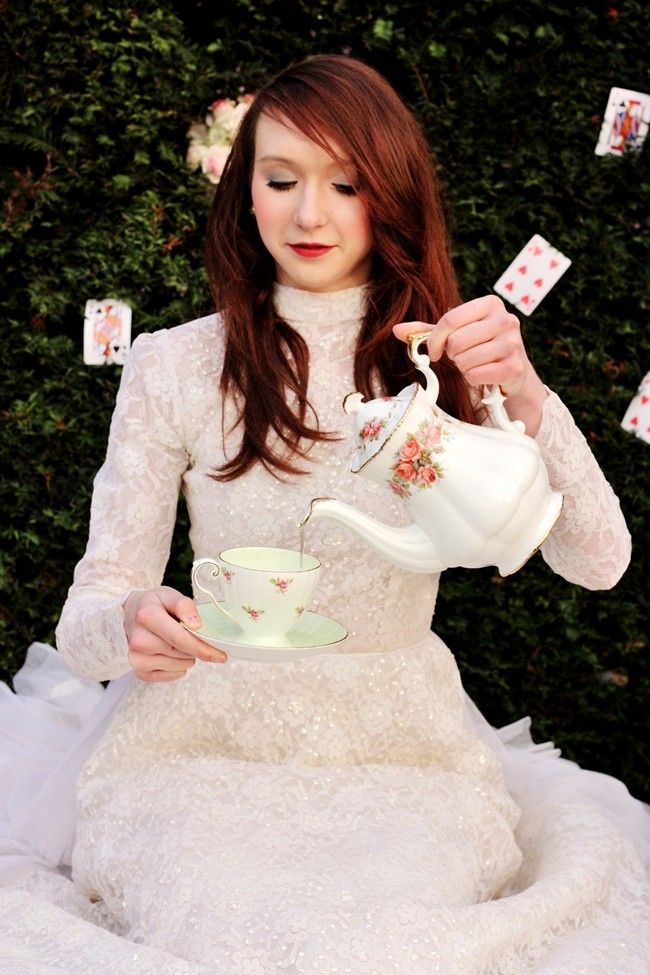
{"points": [[637, 415], [532, 274], [625, 122], [107, 332]]}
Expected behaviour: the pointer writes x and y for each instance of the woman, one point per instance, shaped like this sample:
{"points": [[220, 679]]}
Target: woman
{"points": [[352, 812]]}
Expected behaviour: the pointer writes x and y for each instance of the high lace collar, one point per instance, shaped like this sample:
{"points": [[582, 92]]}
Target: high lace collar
{"points": [[320, 307]]}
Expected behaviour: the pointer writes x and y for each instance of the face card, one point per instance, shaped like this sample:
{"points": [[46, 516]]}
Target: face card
{"points": [[625, 122], [107, 332], [637, 415], [532, 274]]}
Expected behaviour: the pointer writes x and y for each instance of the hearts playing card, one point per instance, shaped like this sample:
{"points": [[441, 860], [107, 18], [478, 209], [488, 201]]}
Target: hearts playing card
{"points": [[532, 274], [107, 332], [637, 415], [625, 122]]}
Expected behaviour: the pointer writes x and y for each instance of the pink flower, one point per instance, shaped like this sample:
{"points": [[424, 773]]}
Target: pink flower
{"points": [[427, 475], [220, 104], [405, 471], [411, 450], [433, 436], [371, 430], [213, 162], [398, 489], [281, 585]]}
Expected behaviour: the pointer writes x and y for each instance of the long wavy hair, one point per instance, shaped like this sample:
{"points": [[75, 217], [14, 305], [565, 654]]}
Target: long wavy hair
{"points": [[330, 99]]}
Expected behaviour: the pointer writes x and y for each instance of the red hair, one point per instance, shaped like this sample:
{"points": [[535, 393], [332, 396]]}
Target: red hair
{"points": [[330, 99]]}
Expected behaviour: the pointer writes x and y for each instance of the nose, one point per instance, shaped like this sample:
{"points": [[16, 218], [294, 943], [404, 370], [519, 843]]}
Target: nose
{"points": [[311, 210]]}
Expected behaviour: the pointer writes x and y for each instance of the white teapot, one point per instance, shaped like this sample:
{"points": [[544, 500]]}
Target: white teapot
{"points": [[478, 495]]}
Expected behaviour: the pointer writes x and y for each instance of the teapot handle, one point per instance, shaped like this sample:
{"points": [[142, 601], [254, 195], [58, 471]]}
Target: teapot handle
{"points": [[493, 398], [423, 363]]}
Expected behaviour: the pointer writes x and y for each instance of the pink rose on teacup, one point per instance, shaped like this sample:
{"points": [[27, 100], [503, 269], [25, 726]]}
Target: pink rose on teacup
{"points": [[433, 436]]}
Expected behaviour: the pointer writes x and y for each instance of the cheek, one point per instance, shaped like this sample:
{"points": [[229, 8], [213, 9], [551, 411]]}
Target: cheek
{"points": [[267, 202], [358, 223]]}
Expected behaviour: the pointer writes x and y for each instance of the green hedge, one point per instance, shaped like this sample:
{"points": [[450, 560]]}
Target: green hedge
{"points": [[98, 202]]}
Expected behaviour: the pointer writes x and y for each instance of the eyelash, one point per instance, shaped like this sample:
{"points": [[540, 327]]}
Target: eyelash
{"points": [[343, 188]]}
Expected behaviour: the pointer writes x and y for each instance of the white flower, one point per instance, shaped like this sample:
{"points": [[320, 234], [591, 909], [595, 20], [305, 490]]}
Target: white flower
{"points": [[195, 155], [210, 142]]}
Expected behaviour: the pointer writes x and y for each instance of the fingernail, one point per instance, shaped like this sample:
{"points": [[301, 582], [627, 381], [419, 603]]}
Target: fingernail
{"points": [[219, 657], [193, 620]]}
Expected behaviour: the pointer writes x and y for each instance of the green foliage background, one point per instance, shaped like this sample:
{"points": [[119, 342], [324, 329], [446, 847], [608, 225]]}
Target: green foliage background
{"points": [[96, 102]]}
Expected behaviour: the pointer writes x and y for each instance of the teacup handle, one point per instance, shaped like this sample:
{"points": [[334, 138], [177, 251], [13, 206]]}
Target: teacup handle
{"points": [[215, 572], [492, 398]]}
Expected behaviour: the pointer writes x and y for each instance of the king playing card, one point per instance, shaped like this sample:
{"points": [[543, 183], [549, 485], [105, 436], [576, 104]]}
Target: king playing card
{"points": [[625, 122], [107, 332]]}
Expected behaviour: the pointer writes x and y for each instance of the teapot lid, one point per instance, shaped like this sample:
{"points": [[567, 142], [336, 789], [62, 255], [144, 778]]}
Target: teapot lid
{"points": [[374, 422]]}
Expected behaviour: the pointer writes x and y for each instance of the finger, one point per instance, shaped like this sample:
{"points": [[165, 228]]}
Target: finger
{"points": [[504, 374], [159, 677], [182, 607], [151, 662], [156, 619], [470, 311], [450, 334], [145, 641], [403, 329], [498, 349], [437, 336], [468, 336]]}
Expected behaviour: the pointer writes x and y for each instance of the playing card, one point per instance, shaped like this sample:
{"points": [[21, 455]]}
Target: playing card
{"points": [[637, 415], [107, 332], [532, 274], [625, 122]]}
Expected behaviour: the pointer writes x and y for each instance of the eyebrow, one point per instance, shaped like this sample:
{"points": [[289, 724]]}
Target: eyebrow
{"points": [[292, 162]]}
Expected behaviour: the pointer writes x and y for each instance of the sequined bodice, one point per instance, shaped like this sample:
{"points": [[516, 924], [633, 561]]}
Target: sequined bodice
{"points": [[381, 605]]}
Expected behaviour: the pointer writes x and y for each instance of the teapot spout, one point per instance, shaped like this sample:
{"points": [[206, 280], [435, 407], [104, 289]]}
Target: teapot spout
{"points": [[407, 547]]}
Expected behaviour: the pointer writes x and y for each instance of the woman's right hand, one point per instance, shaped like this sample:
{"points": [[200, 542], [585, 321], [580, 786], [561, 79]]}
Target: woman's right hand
{"points": [[160, 649]]}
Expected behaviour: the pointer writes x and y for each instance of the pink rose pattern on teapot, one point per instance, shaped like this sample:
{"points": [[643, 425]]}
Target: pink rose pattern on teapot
{"points": [[416, 465]]}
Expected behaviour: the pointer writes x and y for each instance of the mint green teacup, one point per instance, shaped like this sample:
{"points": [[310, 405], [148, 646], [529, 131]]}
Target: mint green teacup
{"points": [[265, 590]]}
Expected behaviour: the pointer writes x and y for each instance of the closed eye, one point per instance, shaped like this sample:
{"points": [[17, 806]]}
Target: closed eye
{"points": [[343, 188]]}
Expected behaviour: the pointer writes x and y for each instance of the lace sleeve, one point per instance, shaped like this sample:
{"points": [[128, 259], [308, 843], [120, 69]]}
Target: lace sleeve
{"points": [[589, 544], [132, 513]]}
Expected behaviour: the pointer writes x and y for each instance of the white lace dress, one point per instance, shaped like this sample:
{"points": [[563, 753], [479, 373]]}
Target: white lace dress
{"points": [[350, 813]]}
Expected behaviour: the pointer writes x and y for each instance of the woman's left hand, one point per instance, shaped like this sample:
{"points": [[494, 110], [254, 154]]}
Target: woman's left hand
{"points": [[483, 340]]}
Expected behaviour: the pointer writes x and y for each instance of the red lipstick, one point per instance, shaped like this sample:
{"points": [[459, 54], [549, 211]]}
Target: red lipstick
{"points": [[310, 250]]}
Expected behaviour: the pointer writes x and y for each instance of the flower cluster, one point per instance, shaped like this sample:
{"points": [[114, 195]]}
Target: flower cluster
{"points": [[416, 465], [372, 429], [211, 141]]}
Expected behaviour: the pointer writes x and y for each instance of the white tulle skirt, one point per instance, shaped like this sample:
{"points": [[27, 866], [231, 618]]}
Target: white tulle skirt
{"points": [[52, 722]]}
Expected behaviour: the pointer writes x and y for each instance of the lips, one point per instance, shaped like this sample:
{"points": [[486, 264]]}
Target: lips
{"points": [[310, 250]]}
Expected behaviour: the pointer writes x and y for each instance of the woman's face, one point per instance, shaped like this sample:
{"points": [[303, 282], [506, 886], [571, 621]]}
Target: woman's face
{"points": [[301, 195]]}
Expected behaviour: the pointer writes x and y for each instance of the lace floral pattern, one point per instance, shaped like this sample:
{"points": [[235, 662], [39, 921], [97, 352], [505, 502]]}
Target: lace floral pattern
{"points": [[590, 543], [333, 815]]}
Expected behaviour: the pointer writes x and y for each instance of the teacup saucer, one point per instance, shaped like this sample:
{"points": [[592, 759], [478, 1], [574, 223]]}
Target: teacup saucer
{"points": [[309, 637]]}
